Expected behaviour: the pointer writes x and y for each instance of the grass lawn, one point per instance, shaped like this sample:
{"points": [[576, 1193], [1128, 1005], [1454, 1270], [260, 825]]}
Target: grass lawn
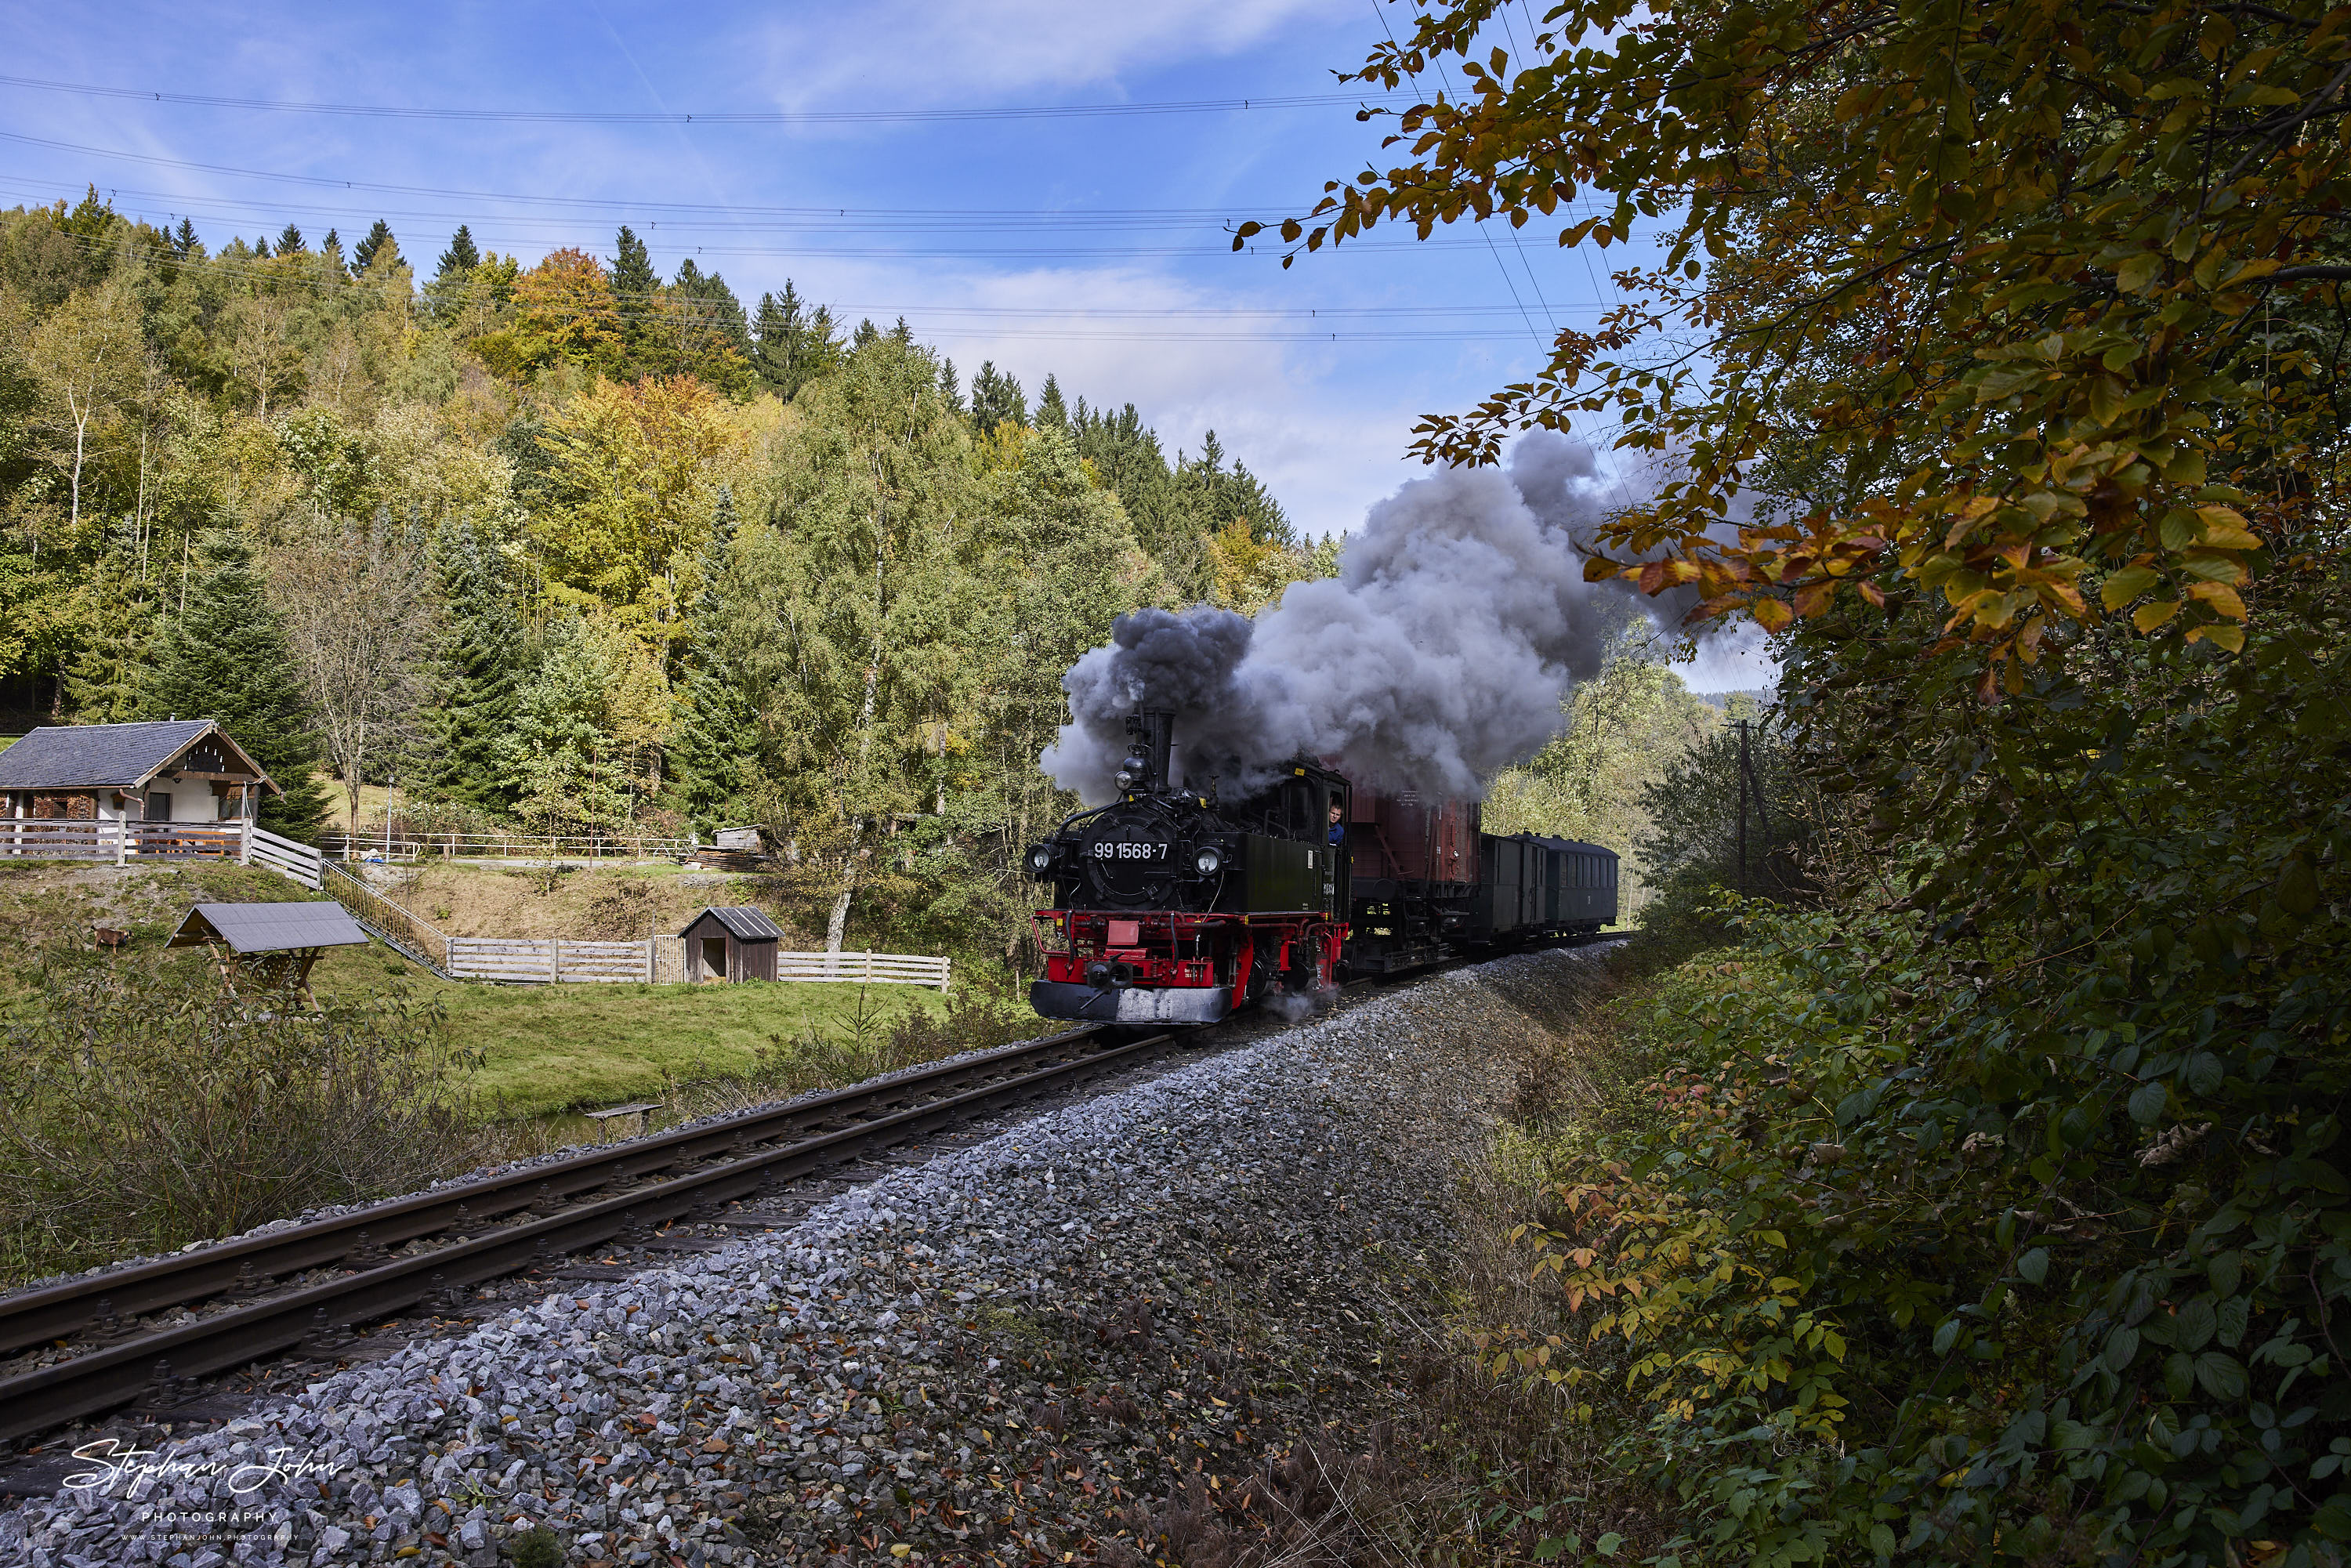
{"points": [[580, 1047], [547, 1049]]}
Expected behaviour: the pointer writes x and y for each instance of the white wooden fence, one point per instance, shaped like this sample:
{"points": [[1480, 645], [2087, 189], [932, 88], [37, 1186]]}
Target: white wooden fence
{"points": [[522, 847], [897, 968], [547, 961], [535, 961], [125, 842]]}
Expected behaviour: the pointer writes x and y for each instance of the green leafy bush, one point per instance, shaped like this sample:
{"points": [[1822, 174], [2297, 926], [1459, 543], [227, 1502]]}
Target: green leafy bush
{"points": [[1900, 1260], [139, 1111]]}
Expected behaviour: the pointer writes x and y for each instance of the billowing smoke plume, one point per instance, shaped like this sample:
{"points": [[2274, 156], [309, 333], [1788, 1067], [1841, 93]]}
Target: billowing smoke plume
{"points": [[1437, 657]]}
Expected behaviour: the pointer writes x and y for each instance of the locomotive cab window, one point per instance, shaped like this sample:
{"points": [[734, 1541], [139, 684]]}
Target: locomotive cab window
{"points": [[1300, 817]]}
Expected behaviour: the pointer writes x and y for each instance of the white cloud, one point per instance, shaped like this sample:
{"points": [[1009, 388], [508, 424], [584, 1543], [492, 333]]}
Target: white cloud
{"points": [[929, 53], [1735, 659], [1327, 441]]}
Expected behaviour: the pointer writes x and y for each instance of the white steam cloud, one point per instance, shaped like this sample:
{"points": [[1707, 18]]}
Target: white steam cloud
{"points": [[1437, 657]]}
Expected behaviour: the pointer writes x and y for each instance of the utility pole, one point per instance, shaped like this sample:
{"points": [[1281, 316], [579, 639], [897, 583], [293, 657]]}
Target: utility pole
{"points": [[1742, 807]]}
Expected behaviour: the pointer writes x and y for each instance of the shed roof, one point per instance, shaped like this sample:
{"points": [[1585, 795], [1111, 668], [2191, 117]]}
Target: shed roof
{"points": [[109, 755], [270, 928], [745, 924]]}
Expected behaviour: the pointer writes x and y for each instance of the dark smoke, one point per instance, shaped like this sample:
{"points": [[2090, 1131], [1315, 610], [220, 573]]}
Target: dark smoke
{"points": [[1435, 658]]}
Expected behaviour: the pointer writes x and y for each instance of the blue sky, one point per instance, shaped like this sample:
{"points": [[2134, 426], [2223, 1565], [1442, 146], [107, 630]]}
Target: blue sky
{"points": [[1092, 248]]}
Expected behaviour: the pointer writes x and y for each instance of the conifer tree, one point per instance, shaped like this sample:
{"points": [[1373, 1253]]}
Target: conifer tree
{"points": [[226, 657], [475, 672], [331, 248], [867, 333], [462, 256], [261, 250], [637, 292], [951, 387], [995, 398], [379, 243], [184, 243], [708, 336], [792, 349], [105, 679], [289, 241], [712, 758], [1052, 412]]}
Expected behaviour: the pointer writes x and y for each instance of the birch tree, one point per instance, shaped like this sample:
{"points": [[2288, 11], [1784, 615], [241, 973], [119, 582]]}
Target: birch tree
{"points": [[87, 358]]}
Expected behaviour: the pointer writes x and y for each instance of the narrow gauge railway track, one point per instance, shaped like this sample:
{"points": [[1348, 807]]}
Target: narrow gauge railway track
{"points": [[484, 1231]]}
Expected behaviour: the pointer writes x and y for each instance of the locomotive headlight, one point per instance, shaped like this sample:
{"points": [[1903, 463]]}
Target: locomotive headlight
{"points": [[1040, 859], [1125, 779], [1208, 860]]}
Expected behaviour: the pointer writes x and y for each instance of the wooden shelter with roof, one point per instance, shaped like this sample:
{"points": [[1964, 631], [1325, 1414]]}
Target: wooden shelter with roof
{"points": [[730, 943], [172, 770], [268, 946]]}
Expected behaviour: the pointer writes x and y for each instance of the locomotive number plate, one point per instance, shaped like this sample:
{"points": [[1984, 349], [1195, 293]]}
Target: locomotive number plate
{"points": [[1106, 850]]}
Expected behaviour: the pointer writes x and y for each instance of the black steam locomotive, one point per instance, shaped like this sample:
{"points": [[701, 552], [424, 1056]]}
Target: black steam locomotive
{"points": [[1173, 908]]}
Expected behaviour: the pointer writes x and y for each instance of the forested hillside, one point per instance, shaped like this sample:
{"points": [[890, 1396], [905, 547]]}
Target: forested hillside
{"points": [[566, 544]]}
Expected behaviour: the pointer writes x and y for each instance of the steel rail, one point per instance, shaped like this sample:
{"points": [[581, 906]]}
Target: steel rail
{"points": [[60, 1310], [116, 1375]]}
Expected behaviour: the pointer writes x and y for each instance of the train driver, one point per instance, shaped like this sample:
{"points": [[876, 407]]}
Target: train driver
{"points": [[1338, 827]]}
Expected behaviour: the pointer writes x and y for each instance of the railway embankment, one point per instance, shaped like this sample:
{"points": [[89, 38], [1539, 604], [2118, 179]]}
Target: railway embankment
{"points": [[1159, 1320]]}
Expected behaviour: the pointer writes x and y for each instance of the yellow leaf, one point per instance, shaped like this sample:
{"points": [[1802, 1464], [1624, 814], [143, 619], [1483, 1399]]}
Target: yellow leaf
{"points": [[2137, 273], [2213, 566], [2229, 637], [2106, 397], [2151, 616], [2121, 587], [1772, 615], [2224, 528], [2220, 596]]}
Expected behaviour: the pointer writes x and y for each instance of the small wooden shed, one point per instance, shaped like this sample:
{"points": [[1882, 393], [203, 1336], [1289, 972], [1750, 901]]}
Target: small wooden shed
{"points": [[730, 945], [269, 946]]}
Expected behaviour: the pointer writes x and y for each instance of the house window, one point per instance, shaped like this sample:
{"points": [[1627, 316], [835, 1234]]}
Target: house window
{"points": [[158, 806]]}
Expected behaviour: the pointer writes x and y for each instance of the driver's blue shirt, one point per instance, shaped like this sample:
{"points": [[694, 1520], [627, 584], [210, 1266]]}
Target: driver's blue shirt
{"points": [[1338, 832]]}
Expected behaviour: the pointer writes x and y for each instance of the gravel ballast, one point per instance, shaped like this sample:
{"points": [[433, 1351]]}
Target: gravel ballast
{"points": [[1100, 1329]]}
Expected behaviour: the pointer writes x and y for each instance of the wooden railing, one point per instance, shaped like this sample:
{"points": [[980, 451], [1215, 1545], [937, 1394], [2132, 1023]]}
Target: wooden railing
{"points": [[529, 961], [123, 843], [403, 932], [300, 861], [501, 847], [897, 969], [545, 960], [62, 840]]}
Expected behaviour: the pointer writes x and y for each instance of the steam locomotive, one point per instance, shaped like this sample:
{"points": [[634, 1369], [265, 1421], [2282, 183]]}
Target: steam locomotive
{"points": [[1175, 907]]}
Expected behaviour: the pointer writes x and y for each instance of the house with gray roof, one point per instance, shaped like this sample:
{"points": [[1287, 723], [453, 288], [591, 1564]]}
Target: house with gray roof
{"points": [[176, 770]]}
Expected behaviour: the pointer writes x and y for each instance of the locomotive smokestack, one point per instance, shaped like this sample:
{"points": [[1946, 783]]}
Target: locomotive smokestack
{"points": [[1151, 737]]}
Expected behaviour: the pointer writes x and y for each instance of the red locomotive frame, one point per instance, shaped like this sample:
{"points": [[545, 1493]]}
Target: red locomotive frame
{"points": [[1182, 950]]}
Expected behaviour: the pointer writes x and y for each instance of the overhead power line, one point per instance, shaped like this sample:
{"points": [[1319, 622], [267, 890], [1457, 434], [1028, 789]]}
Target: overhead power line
{"points": [[717, 117], [1122, 326]]}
